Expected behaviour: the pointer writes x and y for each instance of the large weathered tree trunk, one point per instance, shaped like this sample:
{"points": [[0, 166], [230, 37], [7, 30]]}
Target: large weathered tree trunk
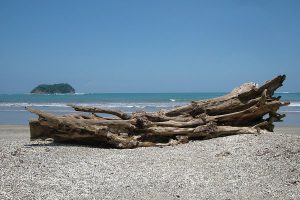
{"points": [[240, 112]]}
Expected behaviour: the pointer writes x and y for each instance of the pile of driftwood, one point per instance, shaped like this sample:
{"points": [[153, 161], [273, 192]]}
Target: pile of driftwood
{"points": [[248, 109]]}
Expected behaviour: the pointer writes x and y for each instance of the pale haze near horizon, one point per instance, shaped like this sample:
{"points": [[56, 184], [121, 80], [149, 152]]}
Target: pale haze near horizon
{"points": [[148, 46]]}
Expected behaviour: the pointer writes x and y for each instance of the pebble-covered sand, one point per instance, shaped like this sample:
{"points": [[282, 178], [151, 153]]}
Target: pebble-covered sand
{"points": [[266, 166]]}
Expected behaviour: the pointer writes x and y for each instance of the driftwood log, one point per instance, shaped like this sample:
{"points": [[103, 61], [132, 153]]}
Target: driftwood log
{"points": [[248, 109]]}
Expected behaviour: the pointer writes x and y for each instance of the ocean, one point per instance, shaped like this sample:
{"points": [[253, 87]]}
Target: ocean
{"points": [[12, 106]]}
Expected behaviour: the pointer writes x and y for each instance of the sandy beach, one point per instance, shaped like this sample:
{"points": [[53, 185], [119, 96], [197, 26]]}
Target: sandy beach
{"points": [[234, 167]]}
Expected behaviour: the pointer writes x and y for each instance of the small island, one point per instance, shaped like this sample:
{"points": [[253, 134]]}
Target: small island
{"points": [[61, 88]]}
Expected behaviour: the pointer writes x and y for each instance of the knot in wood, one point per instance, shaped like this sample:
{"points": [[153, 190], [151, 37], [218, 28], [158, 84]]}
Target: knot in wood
{"points": [[197, 110], [125, 116], [141, 121], [202, 116], [210, 127]]}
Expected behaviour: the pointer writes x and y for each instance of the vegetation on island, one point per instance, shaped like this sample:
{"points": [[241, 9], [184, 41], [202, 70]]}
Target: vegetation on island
{"points": [[61, 88]]}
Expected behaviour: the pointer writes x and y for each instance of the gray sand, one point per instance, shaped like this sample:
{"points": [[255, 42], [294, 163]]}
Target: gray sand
{"points": [[266, 166]]}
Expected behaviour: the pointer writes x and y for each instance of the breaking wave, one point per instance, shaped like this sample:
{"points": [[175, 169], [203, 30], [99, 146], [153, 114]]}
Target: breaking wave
{"points": [[105, 105], [295, 104]]}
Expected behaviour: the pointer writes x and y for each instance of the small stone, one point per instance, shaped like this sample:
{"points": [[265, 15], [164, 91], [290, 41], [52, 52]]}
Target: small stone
{"points": [[124, 134], [223, 154], [49, 140]]}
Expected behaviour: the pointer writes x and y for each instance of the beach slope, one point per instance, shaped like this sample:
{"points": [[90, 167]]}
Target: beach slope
{"points": [[265, 166]]}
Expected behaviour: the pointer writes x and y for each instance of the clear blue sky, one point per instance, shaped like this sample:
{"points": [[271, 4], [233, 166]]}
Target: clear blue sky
{"points": [[148, 46]]}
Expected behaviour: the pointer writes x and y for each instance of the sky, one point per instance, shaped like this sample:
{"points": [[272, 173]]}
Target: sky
{"points": [[148, 46]]}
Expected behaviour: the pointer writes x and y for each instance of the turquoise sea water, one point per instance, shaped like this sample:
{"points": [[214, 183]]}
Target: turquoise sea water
{"points": [[12, 105]]}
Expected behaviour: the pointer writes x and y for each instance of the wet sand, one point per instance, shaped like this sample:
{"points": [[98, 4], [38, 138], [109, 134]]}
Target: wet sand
{"points": [[266, 166]]}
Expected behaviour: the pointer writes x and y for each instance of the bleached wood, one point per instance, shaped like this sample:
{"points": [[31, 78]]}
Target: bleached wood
{"points": [[241, 111]]}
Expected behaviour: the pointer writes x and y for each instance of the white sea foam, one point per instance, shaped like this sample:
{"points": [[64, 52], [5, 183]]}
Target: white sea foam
{"points": [[13, 110], [33, 104], [290, 111], [172, 100], [132, 105], [297, 104], [55, 111], [14, 104], [138, 105], [282, 92]]}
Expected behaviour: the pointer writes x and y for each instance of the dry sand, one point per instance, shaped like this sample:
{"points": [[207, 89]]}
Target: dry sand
{"points": [[266, 166]]}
